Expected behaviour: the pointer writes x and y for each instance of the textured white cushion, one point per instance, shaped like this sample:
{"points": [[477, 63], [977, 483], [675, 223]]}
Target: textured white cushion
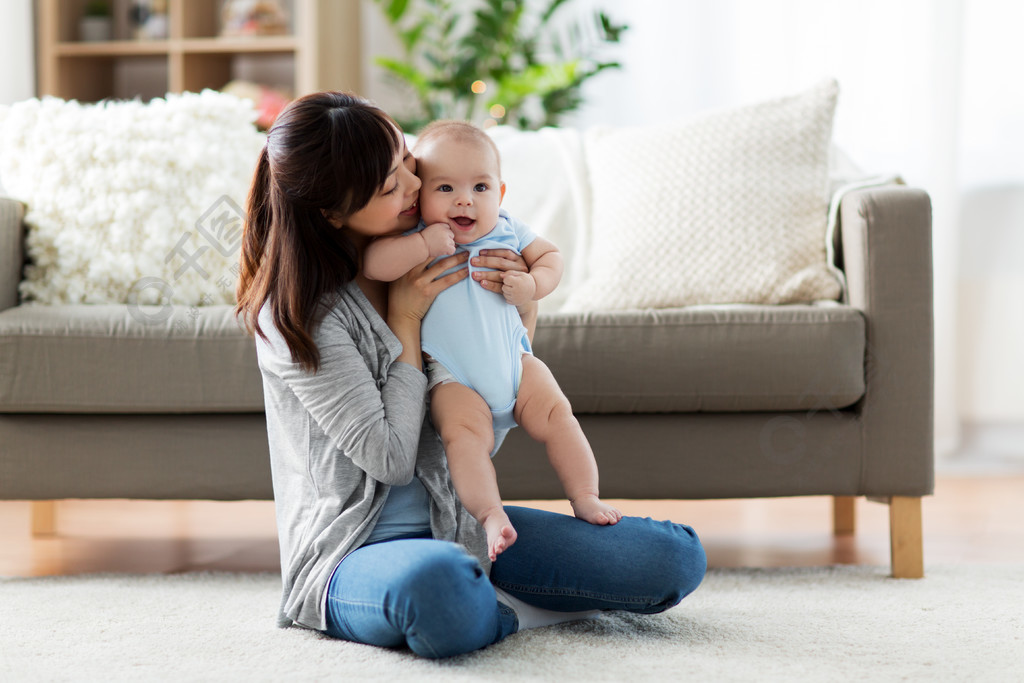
{"points": [[124, 192], [730, 207], [548, 190]]}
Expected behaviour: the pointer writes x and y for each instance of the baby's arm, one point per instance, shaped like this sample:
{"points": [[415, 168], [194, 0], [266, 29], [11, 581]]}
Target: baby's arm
{"points": [[545, 264], [389, 258]]}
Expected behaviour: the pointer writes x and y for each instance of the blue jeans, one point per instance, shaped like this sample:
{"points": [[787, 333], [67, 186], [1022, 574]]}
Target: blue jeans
{"points": [[434, 597]]}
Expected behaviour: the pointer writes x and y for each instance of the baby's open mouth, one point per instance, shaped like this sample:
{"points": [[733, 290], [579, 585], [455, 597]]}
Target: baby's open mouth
{"points": [[464, 221]]}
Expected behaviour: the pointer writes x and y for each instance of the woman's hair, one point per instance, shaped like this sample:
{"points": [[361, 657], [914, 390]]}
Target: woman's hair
{"points": [[329, 151]]}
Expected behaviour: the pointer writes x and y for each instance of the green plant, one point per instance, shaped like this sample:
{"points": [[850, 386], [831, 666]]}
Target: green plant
{"points": [[97, 8], [519, 62]]}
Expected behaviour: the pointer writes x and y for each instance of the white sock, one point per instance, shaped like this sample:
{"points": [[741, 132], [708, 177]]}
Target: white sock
{"points": [[534, 617]]}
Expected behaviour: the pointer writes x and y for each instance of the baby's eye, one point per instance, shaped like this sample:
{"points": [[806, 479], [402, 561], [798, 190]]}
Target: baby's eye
{"points": [[444, 188], [480, 187]]}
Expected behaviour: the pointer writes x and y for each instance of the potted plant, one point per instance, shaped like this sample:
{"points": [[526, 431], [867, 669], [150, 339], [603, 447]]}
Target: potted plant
{"points": [[96, 24], [513, 62]]}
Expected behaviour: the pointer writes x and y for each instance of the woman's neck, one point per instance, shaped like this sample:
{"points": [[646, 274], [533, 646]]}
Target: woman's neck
{"points": [[376, 293], [374, 290]]}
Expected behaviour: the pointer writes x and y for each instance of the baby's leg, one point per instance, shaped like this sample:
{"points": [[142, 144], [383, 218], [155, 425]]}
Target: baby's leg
{"points": [[464, 422], [544, 412]]}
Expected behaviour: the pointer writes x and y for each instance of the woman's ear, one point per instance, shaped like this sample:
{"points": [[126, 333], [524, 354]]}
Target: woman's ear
{"points": [[333, 217]]}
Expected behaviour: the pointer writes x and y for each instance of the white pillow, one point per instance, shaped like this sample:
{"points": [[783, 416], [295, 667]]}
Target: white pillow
{"points": [[120, 193], [730, 207], [547, 188]]}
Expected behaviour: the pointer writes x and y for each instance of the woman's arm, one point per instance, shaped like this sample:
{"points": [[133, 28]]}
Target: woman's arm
{"points": [[410, 297], [528, 313], [377, 427]]}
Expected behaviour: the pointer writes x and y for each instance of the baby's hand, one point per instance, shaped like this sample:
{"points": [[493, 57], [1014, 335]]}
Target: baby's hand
{"points": [[500, 533], [440, 239], [518, 288], [591, 509]]}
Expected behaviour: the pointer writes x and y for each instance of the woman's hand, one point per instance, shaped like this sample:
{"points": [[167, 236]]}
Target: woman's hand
{"points": [[505, 261], [501, 260], [410, 296]]}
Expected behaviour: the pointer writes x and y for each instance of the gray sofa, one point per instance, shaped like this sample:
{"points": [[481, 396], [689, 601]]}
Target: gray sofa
{"points": [[694, 403]]}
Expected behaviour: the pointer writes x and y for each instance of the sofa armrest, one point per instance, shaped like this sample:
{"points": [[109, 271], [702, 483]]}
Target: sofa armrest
{"points": [[12, 250], [887, 256]]}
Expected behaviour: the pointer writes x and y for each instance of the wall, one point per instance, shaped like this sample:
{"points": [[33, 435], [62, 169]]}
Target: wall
{"points": [[17, 77], [990, 311]]}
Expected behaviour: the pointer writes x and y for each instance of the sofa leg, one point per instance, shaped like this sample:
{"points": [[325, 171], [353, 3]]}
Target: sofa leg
{"points": [[44, 517], [906, 538], [844, 515]]}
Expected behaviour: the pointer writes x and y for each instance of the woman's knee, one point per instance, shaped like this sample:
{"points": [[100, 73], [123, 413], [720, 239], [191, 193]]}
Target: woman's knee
{"points": [[450, 603], [447, 570], [683, 564]]}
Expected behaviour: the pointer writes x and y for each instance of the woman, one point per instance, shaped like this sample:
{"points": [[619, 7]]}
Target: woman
{"points": [[375, 546]]}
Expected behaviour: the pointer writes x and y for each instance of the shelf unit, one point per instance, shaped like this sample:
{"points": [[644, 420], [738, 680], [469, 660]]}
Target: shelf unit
{"points": [[321, 53]]}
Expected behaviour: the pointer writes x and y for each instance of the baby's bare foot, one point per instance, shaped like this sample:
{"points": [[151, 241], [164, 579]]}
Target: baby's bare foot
{"points": [[591, 509], [500, 534]]}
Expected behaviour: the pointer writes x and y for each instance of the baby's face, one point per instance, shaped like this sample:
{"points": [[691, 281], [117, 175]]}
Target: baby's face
{"points": [[461, 186]]}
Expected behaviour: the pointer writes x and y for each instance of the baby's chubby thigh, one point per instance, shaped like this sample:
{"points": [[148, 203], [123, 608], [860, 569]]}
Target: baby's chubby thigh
{"points": [[462, 417], [541, 406]]}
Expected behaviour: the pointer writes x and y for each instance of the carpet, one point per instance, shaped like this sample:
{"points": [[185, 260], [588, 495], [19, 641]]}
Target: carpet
{"points": [[809, 624]]}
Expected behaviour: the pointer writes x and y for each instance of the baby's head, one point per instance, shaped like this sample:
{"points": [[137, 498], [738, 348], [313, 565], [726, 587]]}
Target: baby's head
{"points": [[460, 168]]}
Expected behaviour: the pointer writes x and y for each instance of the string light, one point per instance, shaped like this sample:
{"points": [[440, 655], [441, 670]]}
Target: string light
{"points": [[497, 111], [478, 87]]}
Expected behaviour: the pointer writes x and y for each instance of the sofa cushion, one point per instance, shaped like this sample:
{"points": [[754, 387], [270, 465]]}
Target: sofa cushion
{"points": [[727, 207], [119, 191], [707, 358], [111, 359], [96, 359]]}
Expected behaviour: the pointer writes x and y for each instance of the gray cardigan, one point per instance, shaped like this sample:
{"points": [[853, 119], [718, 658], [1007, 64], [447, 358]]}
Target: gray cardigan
{"points": [[339, 439]]}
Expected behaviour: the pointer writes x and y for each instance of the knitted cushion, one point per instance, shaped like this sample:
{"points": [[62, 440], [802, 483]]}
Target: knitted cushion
{"points": [[131, 202], [730, 207]]}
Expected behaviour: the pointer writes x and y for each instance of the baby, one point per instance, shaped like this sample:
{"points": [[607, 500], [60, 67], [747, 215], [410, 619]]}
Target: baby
{"points": [[482, 375]]}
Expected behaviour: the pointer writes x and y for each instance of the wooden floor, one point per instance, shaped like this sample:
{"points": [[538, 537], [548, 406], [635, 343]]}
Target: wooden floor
{"points": [[971, 519]]}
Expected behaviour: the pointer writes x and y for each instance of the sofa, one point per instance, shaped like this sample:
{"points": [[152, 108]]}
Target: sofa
{"points": [[802, 395], [690, 403]]}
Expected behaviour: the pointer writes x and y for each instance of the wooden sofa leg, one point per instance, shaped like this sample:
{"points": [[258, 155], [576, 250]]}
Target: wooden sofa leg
{"points": [[44, 517], [844, 515], [905, 537]]}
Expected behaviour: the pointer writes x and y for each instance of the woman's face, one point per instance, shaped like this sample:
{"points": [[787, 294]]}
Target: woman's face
{"points": [[395, 207]]}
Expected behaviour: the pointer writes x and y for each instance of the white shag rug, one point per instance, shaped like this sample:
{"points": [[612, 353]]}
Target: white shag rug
{"points": [[809, 624]]}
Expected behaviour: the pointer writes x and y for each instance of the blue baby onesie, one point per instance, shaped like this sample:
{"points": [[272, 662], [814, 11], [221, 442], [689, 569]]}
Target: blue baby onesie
{"points": [[476, 334]]}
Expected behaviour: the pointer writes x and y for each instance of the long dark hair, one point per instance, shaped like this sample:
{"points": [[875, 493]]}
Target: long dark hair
{"points": [[327, 151]]}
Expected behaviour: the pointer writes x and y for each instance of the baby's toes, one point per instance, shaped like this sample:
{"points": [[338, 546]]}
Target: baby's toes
{"points": [[597, 517]]}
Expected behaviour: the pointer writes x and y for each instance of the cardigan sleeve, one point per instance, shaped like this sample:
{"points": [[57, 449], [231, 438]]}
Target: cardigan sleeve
{"points": [[370, 407]]}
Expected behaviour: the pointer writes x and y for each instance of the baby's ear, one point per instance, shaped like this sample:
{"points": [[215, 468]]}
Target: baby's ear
{"points": [[502, 197]]}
